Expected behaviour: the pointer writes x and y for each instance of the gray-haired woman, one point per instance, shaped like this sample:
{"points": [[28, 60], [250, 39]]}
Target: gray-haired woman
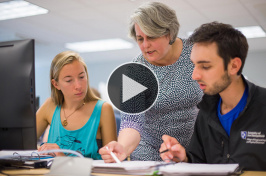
{"points": [[154, 26]]}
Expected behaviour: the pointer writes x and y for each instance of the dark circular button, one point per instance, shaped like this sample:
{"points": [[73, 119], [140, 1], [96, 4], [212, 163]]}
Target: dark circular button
{"points": [[132, 88]]}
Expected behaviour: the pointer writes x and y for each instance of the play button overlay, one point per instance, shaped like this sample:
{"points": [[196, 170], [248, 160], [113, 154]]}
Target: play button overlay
{"points": [[132, 88]]}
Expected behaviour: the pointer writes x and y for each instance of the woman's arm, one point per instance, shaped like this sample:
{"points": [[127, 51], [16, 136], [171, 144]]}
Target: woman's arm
{"points": [[128, 141], [107, 124], [44, 116], [129, 138]]}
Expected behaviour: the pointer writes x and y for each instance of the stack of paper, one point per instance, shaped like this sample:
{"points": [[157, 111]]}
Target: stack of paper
{"points": [[198, 169], [126, 167], [166, 169]]}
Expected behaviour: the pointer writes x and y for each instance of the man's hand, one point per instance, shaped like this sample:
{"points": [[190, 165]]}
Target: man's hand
{"points": [[176, 152]]}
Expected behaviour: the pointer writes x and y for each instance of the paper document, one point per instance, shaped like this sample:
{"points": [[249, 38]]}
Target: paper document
{"points": [[166, 169], [198, 169], [125, 167]]}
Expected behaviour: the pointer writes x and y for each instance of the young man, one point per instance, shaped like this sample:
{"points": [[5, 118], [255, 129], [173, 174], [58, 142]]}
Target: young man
{"points": [[231, 124]]}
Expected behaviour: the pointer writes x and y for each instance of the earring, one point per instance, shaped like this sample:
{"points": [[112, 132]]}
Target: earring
{"points": [[171, 42]]}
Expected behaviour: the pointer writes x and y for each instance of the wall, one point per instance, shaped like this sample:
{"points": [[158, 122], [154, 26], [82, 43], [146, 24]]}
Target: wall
{"points": [[100, 72], [255, 67]]}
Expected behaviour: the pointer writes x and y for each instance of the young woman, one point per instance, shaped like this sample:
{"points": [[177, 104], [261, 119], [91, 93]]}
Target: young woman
{"points": [[78, 119]]}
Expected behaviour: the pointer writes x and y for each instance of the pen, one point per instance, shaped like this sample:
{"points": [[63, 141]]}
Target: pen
{"points": [[42, 143], [113, 155], [164, 151]]}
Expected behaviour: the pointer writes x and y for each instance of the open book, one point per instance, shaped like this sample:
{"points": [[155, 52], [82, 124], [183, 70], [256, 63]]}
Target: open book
{"points": [[168, 169]]}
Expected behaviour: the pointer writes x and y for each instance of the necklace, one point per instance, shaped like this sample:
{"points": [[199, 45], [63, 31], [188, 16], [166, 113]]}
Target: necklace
{"points": [[65, 123]]}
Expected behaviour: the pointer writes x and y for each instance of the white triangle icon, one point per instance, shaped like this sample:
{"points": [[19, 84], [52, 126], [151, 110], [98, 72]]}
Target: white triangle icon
{"points": [[130, 88]]}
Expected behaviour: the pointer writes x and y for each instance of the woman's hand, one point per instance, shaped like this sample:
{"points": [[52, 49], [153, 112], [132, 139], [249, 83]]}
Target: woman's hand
{"points": [[50, 146], [114, 147]]}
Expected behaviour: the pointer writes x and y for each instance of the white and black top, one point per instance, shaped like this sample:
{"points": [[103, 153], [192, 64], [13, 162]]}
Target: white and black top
{"points": [[175, 110]]}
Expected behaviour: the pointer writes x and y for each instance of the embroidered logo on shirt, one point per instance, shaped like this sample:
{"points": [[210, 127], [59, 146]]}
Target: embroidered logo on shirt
{"points": [[243, 134], [253, 137]]}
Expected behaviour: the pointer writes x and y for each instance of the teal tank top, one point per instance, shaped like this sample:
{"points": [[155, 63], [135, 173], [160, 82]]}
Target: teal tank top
{"points": [[82, 140]]}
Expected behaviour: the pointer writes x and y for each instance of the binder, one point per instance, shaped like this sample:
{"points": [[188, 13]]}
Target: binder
{"points": [[23, 159]]}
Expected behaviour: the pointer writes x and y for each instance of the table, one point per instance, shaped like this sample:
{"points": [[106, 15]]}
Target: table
{"points": [[42, 171], [253, 173]]}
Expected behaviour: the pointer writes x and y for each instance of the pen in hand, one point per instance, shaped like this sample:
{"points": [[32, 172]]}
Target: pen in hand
{"points": [[164, 151], [113, 155], [174, 157]]}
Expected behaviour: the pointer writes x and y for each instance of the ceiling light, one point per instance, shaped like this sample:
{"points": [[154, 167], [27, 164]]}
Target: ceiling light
{"points": [[99, 45], [249, 31], [252, 31], [18, 9]]}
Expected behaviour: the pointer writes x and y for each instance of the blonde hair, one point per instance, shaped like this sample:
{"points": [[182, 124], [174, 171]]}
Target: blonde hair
{"points": [[57, 64], [155, 19]]}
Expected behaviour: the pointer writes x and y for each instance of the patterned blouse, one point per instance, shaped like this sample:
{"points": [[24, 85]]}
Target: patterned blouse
{"points": [[174, 112]]}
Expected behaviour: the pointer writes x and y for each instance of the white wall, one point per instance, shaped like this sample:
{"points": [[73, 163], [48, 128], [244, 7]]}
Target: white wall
{"points": [[100, 72], [255, 67]]}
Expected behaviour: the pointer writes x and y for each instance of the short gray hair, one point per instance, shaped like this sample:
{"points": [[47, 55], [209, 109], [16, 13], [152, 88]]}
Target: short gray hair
{"points": [[155, 19]]}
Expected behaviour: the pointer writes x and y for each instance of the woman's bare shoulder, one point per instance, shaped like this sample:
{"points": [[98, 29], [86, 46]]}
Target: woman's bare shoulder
{"points": [[49, 103], [48, 107], [107, 106]]}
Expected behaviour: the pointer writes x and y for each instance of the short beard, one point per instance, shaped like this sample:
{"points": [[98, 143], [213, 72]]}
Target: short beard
{"points": [[218, 87]]}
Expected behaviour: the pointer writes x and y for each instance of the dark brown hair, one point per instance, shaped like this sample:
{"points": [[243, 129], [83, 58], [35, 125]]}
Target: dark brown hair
{"points": [[231, 42]]}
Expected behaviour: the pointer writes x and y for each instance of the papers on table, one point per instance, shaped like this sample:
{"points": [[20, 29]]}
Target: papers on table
{"points": [[149, 167], [125, 167], [198, 169]]}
